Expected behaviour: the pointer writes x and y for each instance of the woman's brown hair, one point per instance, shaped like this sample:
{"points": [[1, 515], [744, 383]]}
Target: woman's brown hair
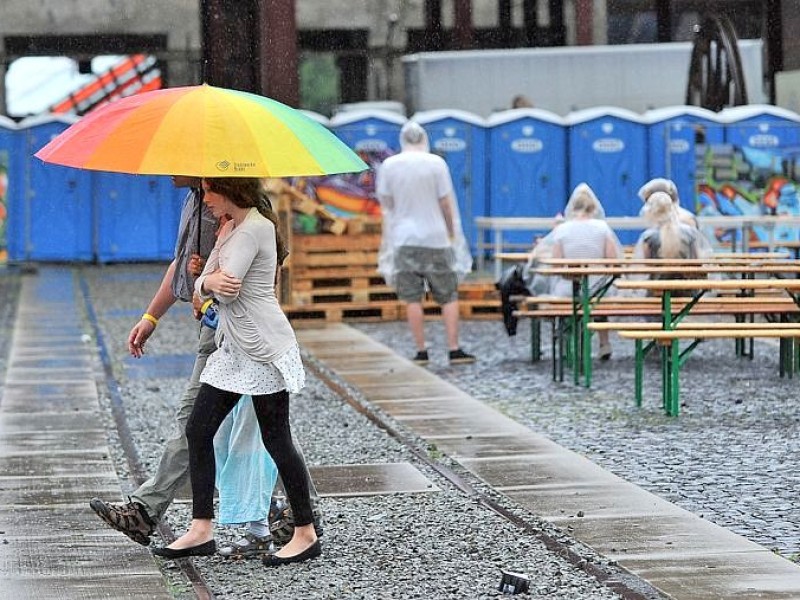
{"points": [[246, 192]]}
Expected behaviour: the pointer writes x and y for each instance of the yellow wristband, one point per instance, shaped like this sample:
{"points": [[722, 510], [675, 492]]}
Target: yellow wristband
{"points": [[205, 306], [151, 318]]}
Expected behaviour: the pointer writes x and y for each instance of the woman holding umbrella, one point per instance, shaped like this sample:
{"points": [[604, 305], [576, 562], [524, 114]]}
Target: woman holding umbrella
{"points": [[257, 355]]}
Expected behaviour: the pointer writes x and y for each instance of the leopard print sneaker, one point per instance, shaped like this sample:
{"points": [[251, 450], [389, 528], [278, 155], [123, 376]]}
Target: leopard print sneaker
{"points": [[281, 521], [129, 518]]}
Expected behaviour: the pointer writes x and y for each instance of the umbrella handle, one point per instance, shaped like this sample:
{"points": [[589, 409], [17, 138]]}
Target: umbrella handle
{"points": [[199, 195]]}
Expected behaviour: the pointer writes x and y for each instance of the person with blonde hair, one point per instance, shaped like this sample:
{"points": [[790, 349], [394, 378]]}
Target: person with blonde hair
{"points": [[583, 234], [668, 236]]}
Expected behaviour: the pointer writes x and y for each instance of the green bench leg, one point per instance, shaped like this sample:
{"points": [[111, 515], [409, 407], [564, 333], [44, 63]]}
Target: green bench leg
{"points": [[587, 353], [674, 375], [665, 378], [536, 340], [639, 369], [575, 350]]}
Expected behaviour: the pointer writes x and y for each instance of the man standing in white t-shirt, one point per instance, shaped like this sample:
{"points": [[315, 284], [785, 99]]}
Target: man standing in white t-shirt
{"points": [[420, 225]]}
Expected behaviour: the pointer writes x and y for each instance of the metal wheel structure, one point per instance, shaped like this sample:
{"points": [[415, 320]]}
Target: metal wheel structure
{"points": [[716, 77]]}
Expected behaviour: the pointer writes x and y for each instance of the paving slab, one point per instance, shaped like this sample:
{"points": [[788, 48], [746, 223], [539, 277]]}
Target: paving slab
{"points": [[347, 481], [370, 480], [53, 457], [674, 550]]}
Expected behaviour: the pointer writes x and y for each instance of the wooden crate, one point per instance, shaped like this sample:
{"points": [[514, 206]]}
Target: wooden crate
{"points": [[336, 269]]}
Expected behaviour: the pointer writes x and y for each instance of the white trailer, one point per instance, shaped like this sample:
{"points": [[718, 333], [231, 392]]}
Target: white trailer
{"points": [[637, 77]]}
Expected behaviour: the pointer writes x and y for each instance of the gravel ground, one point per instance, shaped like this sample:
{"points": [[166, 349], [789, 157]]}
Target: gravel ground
{"points": [[437, 545], [729, 457]]}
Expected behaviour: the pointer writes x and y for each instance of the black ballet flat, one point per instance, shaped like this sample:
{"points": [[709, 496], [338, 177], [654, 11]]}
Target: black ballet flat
{"points": [[312, 551], [206, 549]]}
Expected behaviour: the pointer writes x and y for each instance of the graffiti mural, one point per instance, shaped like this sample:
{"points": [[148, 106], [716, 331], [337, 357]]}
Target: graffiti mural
{"points": [[348, 195], [746, 181]]}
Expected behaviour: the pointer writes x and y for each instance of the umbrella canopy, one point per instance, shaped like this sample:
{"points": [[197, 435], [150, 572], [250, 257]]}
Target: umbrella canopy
{"points": [[201, 131]]}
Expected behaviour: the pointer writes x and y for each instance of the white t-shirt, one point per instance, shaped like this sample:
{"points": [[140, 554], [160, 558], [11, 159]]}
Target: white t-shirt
{"points": [[580, 238], [414, 182]]}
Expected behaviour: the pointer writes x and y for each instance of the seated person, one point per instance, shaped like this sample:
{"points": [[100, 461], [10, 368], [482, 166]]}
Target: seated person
{"points": [[583, 234], [667, 186], [668, 237]]}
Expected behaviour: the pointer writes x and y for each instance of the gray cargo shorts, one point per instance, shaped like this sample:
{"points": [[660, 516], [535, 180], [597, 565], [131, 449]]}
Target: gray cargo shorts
{"points": [[416, 266]]}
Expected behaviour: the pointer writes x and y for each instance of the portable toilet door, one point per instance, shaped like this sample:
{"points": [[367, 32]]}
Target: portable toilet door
{"points": [[527, 151], [460, 138], [608, 151], [677, 138], [9, 180], [373, 134], [763, 175], [54, 221], [136, 217]]}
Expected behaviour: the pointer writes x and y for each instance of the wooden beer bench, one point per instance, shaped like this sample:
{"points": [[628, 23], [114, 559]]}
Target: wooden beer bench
{"points": [[672, 329], [585, 301], [559, 311]]}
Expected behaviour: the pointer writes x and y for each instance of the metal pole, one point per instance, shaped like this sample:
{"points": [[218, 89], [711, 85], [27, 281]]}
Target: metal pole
{"points": [[277, 51]]}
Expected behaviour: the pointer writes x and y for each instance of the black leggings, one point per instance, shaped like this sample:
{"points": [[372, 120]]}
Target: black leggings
{"points": [[210, 409]]}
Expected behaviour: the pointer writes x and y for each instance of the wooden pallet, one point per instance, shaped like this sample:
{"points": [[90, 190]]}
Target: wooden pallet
{"points": [[344, 294], [335, 278], [470, 310], [385, 311], [310, 252], [335, 269], [489, 310], [348, 311]]}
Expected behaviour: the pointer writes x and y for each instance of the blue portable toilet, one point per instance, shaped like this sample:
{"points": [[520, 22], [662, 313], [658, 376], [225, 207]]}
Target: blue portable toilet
{"points": [[136, 217], [764, 143], [677, 136], [608, 151], [761, 126], [460, 138], [527, 152], [374, 134], [9, 177], [52, 219]]}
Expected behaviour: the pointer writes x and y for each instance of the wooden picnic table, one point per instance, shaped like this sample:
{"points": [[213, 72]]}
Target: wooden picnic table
{"points": [[493, 228], [667, 269], [722, 257], [672, 357], [732, 258], [583, 296]]}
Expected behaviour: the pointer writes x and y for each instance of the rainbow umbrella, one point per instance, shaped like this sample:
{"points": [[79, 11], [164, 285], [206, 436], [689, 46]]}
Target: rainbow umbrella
{"points": [[201, 131]]}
